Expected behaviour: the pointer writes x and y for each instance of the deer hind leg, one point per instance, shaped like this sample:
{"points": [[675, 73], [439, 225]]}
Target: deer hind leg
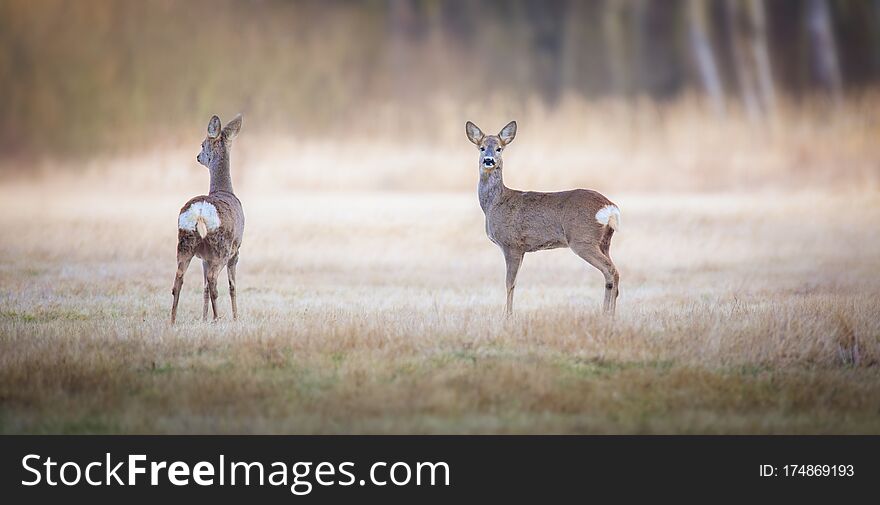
{"points": [[183, 259], [513, 258], [213, 272], [207, 295], [595, 256], [230, 272]]}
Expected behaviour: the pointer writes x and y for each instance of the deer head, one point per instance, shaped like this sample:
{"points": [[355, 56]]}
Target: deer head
{"points": [[491, 146], [216, 144]]}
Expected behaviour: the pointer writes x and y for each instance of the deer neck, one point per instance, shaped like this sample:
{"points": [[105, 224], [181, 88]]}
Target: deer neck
{"points": [[220, 179], [490, 189]]}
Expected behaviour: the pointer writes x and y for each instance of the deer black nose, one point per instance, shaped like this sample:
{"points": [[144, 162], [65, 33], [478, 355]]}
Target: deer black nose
{"points": [[488, 161]]}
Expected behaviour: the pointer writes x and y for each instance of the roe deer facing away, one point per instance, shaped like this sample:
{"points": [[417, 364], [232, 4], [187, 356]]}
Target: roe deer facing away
{"points": [[211, 226], [526, 221]]}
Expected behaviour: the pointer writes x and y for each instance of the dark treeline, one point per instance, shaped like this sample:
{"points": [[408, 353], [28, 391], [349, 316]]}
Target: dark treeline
{"points": [[78, 75], [746, 48]]}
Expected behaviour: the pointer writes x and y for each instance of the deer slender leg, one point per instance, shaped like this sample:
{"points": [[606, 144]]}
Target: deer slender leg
{"points": [[592, 255], [206, 295], [230, 272], [213, 271], [182, 264], [513, 259]]}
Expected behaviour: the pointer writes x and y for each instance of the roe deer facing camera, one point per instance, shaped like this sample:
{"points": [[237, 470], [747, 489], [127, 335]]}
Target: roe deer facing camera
{"points": [[525, 221], [211, 226]]}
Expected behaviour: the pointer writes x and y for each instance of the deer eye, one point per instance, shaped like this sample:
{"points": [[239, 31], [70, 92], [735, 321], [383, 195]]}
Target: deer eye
{"points": [[497, 149], [482, 149]]}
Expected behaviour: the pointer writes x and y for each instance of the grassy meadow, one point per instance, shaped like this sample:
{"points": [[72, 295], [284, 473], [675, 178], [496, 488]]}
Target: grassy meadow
{"points": [[372, 301]]}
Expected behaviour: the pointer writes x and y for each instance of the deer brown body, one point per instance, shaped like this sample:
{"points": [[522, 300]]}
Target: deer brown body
{"points": [[211, 226], [527, 221]]}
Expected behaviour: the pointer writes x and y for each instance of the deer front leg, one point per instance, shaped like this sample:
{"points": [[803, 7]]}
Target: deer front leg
{"points": [[182, 265], [230, 272], [513, 258]]}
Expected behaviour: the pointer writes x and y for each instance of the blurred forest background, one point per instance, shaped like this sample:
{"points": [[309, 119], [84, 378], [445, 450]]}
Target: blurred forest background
{"points": [[79, 78]]}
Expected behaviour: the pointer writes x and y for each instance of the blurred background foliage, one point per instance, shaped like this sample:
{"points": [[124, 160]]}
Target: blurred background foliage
{"points": [[97, 75]]}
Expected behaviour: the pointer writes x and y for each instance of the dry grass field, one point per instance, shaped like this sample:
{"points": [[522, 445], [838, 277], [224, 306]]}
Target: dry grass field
{"points": [[381, 312]]}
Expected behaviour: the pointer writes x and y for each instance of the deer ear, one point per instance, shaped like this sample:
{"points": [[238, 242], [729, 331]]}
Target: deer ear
{"points": [[232, 128], [508, 133], [473, 133], [214, 127]]}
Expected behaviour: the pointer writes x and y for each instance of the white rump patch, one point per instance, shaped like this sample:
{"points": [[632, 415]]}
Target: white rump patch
{"points": [[203, 212], [609, 215]]}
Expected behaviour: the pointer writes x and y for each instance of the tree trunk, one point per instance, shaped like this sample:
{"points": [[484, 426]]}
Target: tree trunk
{"points": [[824, 50], [760, 54], [701, 45], [401, 25], [742, 65], [615, 47], [572, 45], [639, 57]]}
